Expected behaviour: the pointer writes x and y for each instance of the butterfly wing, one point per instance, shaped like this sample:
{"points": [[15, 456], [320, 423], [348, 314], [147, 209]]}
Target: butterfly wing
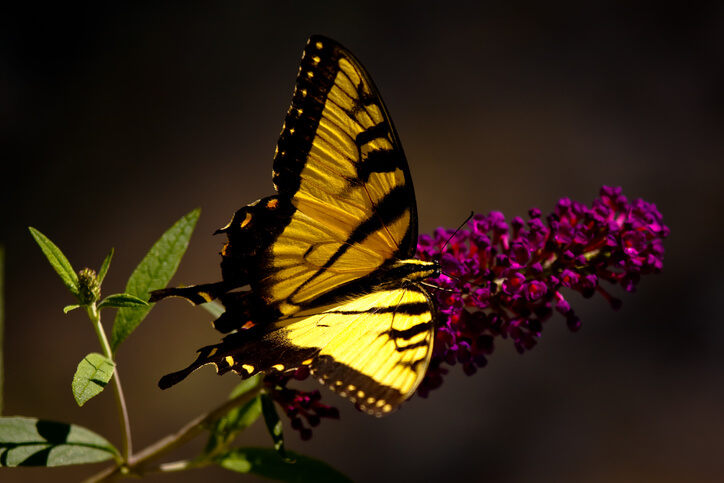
{"points": [[346, 205], [381, 355], [339, 158], [373, 349]]}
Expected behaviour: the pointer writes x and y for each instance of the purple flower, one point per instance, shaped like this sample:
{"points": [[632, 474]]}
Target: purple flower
{"points": [[299, 406], [515, 273]]}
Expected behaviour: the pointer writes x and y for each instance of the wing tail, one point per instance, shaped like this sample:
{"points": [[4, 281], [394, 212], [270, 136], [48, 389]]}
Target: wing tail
{"points": [[246, 352], [196, 294], [175, 377]]}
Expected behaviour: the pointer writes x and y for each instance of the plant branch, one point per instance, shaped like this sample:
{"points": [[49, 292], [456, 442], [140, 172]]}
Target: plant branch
{"points": [[139, 464], [192, 429], [2, 322], [95, 317]]}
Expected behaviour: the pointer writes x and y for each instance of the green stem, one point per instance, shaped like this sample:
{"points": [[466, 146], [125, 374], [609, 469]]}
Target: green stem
{"points": [[2, 322], [95, 317], [192, 429], [139, 464]]}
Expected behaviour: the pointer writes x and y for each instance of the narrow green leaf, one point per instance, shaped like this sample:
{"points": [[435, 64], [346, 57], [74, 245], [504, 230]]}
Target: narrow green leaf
{"points": [[57, 260], [238, 419], [91, 377], [2, 323], [214, 308], [68, 308], [122, 300], [274, 425], [104, 267], [153, 273], [228, 427], [241, 418], [32, 442], [265, 462], [245, 386]]}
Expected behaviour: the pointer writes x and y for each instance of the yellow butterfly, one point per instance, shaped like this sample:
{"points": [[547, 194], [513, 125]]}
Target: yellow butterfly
{"points": [[328, 260]]}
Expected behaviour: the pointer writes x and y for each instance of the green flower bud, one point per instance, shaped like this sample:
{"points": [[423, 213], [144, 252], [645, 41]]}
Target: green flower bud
{"points": [[90, 289]]}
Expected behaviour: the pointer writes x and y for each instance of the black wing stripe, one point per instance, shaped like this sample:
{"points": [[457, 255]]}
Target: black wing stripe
{"points": [[407, 334], [302, 121], [377, 131], [391, 209], [407, 309]]}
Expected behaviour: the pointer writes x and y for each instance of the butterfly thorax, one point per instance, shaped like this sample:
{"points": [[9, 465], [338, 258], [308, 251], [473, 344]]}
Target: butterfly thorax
{"points": [[410, 270]]}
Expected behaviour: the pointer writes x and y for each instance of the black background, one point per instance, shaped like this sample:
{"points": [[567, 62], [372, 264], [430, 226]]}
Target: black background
{"points": [[117, 119]]}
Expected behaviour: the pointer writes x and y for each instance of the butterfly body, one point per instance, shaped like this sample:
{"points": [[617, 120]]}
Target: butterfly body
{"points": [[329, 259]]}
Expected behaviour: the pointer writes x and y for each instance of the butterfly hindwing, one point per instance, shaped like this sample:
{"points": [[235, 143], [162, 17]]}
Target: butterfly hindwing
{"points": [[373, 349], [380, 356]]}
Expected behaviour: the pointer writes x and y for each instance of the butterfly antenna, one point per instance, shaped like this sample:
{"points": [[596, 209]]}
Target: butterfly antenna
{"points": [[442, 250], [456, 231], [437, 287]]}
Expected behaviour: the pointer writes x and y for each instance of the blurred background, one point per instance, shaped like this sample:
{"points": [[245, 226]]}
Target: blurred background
{"points": [[118, 119]]}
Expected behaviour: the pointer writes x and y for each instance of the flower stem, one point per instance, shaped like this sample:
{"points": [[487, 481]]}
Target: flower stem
{"points": [[193, 428], [139, 464], [95, 317], [2, 321]]}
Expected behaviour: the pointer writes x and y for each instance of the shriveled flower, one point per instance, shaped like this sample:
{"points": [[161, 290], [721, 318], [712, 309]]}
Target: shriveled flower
{"points": [[299, 406]]}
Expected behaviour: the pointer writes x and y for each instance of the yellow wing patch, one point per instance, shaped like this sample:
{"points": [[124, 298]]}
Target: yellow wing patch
{"points": [[374, 349]]}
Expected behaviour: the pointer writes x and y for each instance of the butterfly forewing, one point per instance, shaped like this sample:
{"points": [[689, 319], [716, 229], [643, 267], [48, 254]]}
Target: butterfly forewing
{"points": [[339, 161]]}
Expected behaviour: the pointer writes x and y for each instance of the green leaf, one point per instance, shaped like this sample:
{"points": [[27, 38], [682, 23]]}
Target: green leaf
{"points": [[2, 323], [274, 425], [91, 377], [32, 442], [68, 308], [104, 268], [57, 261], [214, 308], [238, 419], [153, 273], [265, 462], [122, 300], [245, 386]]}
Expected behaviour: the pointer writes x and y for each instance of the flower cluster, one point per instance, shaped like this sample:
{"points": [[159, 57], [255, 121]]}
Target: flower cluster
{"points": [[504, 280], [501, 280], [299, 405]]}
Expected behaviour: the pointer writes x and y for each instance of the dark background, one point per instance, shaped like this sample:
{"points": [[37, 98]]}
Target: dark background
{"points": [[118, 119]]}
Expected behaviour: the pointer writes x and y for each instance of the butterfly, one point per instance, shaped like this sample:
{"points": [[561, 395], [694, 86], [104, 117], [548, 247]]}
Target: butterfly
{"points": [[328, 260]]}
